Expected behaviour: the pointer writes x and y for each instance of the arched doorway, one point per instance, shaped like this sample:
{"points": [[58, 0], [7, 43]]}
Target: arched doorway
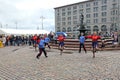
{"points": [[95, 28], [74, 28], [113, 27], [63, 29], [104, 28], [69, 29]]}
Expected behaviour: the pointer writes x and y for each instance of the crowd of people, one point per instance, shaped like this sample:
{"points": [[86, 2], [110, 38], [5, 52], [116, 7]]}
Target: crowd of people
{"points": [[40, 41]]}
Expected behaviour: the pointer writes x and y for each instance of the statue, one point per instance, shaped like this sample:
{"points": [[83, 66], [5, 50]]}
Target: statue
{"points": [[81, 21], [81, 18], [82, 28]]}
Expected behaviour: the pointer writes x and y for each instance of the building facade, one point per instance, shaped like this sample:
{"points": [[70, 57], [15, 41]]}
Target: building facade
{"points": [[99, 15]]}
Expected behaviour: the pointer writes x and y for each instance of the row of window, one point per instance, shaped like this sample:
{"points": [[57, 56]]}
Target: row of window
{"points": [[95, 28], [95, 8], [88, 10], [113, 12], [69, 29], [95, 15], [104, 14], [95, 3], [88, 21]]}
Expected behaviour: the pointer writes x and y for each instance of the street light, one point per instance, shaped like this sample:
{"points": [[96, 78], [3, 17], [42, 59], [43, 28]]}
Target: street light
{"points": [[16, 24], [118, 15], [6, 26], [0, 25], [37, 27], [42, 20]]}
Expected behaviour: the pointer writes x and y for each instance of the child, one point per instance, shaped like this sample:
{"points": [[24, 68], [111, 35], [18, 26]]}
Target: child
{"points": [[41, 48], [47, 40], [61, 43], [103, 44], [94, 38], [82, 41]]}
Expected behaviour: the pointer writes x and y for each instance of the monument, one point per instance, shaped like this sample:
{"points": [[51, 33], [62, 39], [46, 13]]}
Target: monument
{"points": [[82, 28]]}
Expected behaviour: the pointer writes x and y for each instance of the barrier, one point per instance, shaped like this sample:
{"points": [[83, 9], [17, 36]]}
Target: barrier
{"points": [[73, 44]]}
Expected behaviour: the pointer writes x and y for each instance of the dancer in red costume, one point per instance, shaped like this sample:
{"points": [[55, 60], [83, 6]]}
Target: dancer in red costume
{"points": [[94, 38], [61, 43]]}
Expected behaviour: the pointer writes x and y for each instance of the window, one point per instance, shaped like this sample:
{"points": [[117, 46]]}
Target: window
{"points": [[74, 7], [114, 12], [103, 28], [58, 24], [69, 18], [87, 21], [75, 12], [114, 0], [104, 1], [95, 28], [69, 13], [63, 9], [88, 27], [104, 20], [104, 13], [74, 28], [63, 29], [87, 15], [58, 29], [58, 18], [69, 23], [69, 29], [104, 7], [87, 4], [63, 14], [88, 10], [95, 9], [114, 19], [58, 14], [81, 6], [114, 6], [69, 8], [95, 3], [63, 23], [75, 22], [63, 19], [95, 20], [74, 17], [57, 10], [95, 15], [81, 11]]}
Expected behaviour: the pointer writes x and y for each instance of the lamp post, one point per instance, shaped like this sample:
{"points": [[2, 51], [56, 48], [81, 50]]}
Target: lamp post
{"points": [[0, 25], [6, 26], [118, 15], [42, 20], [16, 24], [37, 27]]}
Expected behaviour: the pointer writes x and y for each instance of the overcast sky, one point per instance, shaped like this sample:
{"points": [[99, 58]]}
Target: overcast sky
{"points": [[27, 13]]}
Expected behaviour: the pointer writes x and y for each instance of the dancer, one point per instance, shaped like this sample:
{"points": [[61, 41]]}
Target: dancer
{"points": [[61, 43], [41, 48], [35, 41], [82, 41], [94, 38], [47, 40], [103, 44]]}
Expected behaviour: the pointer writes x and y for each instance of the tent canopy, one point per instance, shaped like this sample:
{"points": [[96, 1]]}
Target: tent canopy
{"points": [[22, 32], [61, 33]]}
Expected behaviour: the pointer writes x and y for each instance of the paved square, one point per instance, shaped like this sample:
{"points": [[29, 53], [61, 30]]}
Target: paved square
{"points": [[19, 63]]}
